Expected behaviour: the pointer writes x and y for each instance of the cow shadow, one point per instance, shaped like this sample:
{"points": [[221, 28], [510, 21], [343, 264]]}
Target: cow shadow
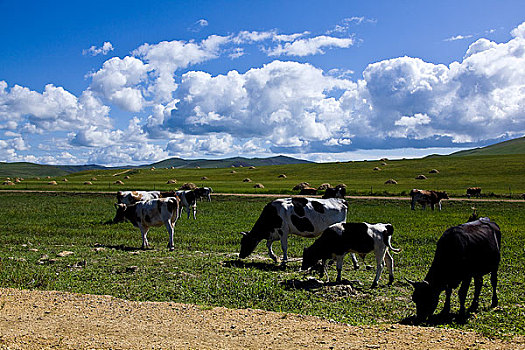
{"points": [[313, 284], [259, 265], [436, 320], [121, 247]]}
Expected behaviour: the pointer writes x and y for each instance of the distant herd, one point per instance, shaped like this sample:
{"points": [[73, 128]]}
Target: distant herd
{"points": [[464, 252]]}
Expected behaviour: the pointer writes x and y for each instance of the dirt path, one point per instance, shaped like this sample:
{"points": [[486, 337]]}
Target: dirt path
{"points": [[59, 320]]}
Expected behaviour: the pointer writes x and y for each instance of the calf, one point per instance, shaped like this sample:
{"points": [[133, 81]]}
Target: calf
{"points": [[203, 192], [473, 191], [361, 238], [306, 217], [335, 192], [463, 252], [188, 201], [424, 197], [132, 197], [146, 214]]}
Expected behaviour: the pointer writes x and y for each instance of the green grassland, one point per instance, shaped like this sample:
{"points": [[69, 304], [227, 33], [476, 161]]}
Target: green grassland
{"points": [[204, 268], [497, 175]]}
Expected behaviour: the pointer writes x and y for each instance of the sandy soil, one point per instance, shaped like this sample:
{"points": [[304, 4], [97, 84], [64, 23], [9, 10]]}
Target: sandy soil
{"points": [[59, 320]]}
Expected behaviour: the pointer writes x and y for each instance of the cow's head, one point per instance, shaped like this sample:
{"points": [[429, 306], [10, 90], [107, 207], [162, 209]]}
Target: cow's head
{"points": [[248, 244], [121, 210], [309, 259], [442, 195], [426, 299]]}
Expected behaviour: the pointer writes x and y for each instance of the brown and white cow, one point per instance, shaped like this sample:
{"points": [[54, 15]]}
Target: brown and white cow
{"points": [[425, 197], [473, 191], [306, 217], [360, 238], [146, 214]]}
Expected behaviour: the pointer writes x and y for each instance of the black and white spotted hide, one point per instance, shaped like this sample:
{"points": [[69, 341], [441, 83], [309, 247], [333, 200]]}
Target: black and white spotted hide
{"points": [[306, 217]]}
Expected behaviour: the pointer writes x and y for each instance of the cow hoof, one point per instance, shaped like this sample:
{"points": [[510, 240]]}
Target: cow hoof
{"points": [[369, 267], [374, 285], [171, 249], [390, 280]]}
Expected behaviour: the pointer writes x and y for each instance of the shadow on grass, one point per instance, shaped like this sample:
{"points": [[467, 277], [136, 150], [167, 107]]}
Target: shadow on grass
{"points": [[121, 247], [311, 283], [259, 265]]}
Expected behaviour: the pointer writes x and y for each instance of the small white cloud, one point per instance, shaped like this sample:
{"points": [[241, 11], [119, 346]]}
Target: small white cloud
{"points": [[198, 25], [310, 46], [103, 50], [458, 37]]}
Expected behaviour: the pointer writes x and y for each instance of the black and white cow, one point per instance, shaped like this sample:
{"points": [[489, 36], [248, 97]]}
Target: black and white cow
{"points": [[463, 252], [306, 217], [132, 197], [146, 214], [360, 238], [188, 201], [203, 192]]}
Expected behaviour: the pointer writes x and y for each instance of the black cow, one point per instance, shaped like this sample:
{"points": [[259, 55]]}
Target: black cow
{"points": [[203, 192], [463, 252]]}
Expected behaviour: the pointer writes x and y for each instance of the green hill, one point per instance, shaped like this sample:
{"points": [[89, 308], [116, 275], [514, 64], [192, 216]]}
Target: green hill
{"points": [[514, 146], [228, 162]]}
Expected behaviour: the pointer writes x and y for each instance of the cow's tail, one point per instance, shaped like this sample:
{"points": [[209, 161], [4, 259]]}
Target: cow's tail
{"points": [[387, 237]]}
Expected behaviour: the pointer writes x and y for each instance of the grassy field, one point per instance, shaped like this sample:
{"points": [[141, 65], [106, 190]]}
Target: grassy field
{"points": [[498, 176], [63, 242]]}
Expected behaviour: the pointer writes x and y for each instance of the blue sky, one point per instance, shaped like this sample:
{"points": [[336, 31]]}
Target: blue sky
{"points": [[134, 82]]}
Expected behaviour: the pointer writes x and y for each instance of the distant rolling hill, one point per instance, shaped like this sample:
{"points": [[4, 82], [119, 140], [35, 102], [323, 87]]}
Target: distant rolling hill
{"points": [[514, 146], [24, 169], [228, 162]]}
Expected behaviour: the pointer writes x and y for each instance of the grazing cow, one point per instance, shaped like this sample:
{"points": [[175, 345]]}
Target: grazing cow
{"points": [[306, 217], [473, 191], [361, 238], [335, 192], [132, 197], [308, 191], [424, 197], [146, 214], [203, 192], [188, 201], [463, 252]]}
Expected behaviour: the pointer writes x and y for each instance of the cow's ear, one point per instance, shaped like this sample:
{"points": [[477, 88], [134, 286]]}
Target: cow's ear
{"points": [[116, 205], [390, 229]]}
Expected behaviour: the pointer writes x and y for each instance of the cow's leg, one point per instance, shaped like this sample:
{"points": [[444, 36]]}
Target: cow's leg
{"points": [[354, 261], [478, 282], [194, 212], [413, 204], [462, 293], [169, 227], [144, 232], [439, 205], [322, 270], [270, 251], [339, 265], [380, 260], [446, 307], [494, 283], [424, 205], [284, 247], [432, 205], [390, 266]]}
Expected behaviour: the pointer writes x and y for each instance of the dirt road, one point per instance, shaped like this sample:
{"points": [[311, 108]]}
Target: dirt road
{"points": [[59, 320]]}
